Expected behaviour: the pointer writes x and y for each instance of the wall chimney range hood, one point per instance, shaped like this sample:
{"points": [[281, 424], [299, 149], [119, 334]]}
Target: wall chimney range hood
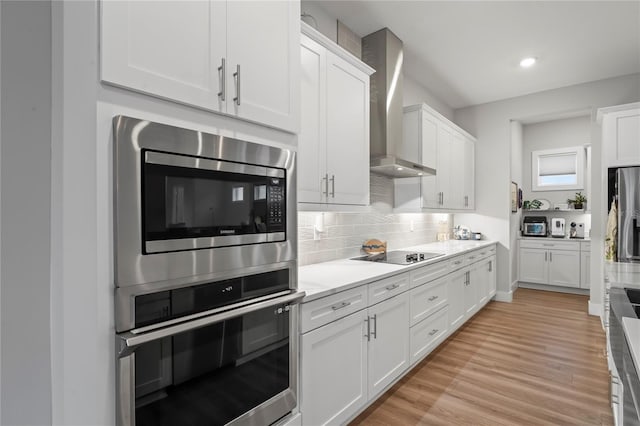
{"points": [[382, 51]]}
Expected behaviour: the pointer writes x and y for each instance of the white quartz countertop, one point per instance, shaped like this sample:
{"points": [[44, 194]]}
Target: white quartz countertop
{"points": [[622, 274], [631, 327], [326, 278]]}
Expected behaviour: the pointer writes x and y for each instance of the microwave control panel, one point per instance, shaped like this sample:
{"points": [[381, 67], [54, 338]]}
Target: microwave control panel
{"points": [[277, 206]]}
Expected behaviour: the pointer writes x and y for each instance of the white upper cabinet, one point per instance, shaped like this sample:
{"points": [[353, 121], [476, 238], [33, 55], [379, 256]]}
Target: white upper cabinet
{"points": [[621, 134], [447, 148], [236, 58], [333, 144]]}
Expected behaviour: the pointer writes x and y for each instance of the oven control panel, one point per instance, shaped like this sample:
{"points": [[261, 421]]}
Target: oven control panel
{"points": [[277, 205]]}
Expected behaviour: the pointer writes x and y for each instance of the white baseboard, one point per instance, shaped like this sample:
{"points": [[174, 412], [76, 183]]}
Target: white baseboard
{"points": [[514, 286], [504, 296], [595, 309], [533, 286]]}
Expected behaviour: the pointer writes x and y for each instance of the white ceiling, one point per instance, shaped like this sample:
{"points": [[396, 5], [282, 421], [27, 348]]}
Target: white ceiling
{"points": [[467, 52]]}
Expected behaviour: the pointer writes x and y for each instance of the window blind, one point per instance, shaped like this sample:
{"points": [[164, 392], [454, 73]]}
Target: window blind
{"points": [[553, 165]]}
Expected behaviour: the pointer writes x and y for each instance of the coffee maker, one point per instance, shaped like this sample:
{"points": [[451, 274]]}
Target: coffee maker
{"points": [[557, 227]]}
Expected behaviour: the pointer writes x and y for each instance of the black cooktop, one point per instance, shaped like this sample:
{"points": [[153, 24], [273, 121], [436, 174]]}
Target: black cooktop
{"points": [[399, 257]]}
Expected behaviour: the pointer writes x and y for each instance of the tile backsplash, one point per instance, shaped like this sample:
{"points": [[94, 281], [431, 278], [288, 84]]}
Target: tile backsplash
{"points": [[343, 233]]}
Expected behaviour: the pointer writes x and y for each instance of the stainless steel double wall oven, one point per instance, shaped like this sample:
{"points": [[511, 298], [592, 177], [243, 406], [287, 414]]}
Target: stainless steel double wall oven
{"points": [[206, 281]]}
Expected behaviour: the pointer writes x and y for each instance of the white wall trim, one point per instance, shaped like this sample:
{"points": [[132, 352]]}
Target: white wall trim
{"points": [[595, 309], [571, 290], [504, 296]]}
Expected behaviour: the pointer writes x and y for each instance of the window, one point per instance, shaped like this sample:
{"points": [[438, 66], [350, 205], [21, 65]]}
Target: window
{"points": [[557, 169]]}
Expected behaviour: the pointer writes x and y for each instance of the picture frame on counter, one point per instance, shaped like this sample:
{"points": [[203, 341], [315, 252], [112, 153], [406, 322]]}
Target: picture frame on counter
{"points": [[514, 197]]}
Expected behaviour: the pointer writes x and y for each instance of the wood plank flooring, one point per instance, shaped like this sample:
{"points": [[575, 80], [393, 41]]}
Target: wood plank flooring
{"points": [[539, 360]]}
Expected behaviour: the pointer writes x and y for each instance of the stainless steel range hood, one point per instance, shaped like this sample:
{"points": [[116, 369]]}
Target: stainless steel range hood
{"points": [[382, 50]]}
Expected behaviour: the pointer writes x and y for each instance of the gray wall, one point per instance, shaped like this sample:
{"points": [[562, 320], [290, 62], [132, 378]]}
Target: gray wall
{"points": [[491, 124], [413, 92], [25, 198], [553, 134], [517, 177]]}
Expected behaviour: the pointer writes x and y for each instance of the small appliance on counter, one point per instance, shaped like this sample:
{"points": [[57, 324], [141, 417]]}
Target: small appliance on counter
{"points": [[557, 227], [576, 230], [534, 226], [461, 232]]}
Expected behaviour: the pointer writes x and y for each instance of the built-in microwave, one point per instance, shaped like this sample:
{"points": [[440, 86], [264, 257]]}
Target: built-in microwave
{"points": [[190, 204]]}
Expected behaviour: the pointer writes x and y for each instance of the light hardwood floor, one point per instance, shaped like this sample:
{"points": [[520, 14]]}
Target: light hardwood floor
{"points": [[537, 360]]}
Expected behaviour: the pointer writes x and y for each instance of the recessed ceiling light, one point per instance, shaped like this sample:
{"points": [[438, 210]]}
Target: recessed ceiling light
{"points": [[398, 168], [420, 174], [527, 62]]}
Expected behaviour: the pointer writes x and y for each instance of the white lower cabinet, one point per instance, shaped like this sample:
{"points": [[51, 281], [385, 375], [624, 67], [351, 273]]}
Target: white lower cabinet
{"points": [[550, 262], [455, 289], [349, 361], [358, 342], [334, 370], [427, 334], [388, 342]]}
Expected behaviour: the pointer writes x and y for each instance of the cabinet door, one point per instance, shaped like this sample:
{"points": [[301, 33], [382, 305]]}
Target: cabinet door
{"points": [[564, 268], [170, 49], [347, 132], [585, 273], [443, 172], [469, 174], [471, 292], [622, 142], [455, 295], [455, 196], [312, 156], [533, 265], [263, 39], [389, 345], [333, 368], [435, 189], [480, 279], [492, 277]]}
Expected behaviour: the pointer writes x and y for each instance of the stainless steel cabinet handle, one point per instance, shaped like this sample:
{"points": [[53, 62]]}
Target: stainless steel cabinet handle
{"points": [[550, 257], [236, 76], [545, 256], [130, 340], [340, 306], [432, 332], [490, 265], [333, 186], [458, 262], [392, 287], [326, 184], [375, 326], [222, 70], [432, 298], [368, 335], [472, 257]]}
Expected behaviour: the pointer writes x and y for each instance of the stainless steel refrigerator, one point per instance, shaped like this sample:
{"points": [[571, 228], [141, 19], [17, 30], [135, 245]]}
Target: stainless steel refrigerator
{"points": [[628, 192]]}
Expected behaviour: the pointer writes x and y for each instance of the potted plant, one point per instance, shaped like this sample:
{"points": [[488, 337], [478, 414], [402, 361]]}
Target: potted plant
{"points": [[578, 202]]}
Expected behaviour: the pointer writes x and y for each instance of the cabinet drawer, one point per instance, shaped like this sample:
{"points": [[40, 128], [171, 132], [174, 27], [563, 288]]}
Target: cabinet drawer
{"points": [[388, 287], [485, 252], [472, 257], [550, 244], [456, 263], [427, 334], [429, 273], [427, 299], [323, 311]]}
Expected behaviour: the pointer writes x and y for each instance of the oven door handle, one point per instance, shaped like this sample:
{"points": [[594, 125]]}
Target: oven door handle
{"points": [[129, 340]]}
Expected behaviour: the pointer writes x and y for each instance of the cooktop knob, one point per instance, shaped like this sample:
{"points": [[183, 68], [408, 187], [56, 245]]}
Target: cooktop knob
{"points": [[421, 256]]}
